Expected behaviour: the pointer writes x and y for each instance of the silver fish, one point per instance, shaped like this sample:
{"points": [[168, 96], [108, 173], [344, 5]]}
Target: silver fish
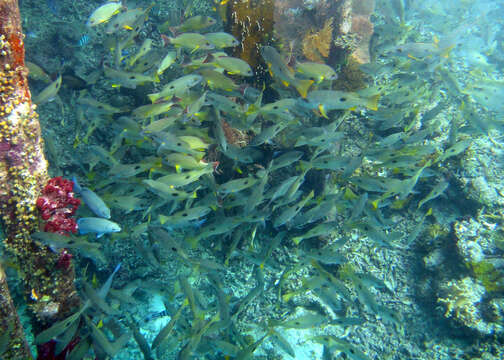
{"points": [[92, 200], [97, 225]]}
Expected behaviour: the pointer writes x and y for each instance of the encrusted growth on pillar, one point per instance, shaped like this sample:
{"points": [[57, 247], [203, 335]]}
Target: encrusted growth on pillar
{"points": [[23, 173]]}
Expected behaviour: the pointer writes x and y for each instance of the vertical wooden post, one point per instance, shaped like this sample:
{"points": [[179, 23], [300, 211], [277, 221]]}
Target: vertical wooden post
{"points": [[12, 341], [50, 291]]}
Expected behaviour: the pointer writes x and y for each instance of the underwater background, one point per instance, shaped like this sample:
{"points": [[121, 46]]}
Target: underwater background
{"points": [[303, 179]]}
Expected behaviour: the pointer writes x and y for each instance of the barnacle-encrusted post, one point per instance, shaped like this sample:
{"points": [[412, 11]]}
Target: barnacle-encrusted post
{"points": [[23, 172], [12, 341]]}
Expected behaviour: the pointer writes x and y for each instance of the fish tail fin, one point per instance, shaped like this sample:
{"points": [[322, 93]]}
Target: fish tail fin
{"points": [[322, 111], [153, 97], [195, 49], [76, 186], [375, 203], [304, 164], [446, 52], [372, 102], [302, 87]]}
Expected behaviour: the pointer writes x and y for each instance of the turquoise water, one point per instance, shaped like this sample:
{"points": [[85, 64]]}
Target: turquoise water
{"points": [[313, 180]]}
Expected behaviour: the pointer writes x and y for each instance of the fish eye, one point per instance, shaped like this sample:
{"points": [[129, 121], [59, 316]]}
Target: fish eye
{"points": [[132, 77], [342, 99], [184, 214]]}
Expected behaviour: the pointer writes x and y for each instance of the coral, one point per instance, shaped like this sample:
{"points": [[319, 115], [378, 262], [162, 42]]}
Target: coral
{"points": [[57, 204], [462, 299], [316, 45], [473, 244], [483, 176], [489, 276], [437, 230], [434, 259], [47, 351], [362, 28], [355, 29], [65, 260], [350, 77], [251, 22], [235, 136]]}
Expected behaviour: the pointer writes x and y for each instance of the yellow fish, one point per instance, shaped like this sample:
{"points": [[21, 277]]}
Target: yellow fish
{"points": [[49, 92], [103, 13], [34, 295]]}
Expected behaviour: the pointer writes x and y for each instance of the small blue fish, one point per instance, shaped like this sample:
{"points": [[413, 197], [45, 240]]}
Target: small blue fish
{"points": [[92, 200], [84, 40], [31, 34], [97, 225]]}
